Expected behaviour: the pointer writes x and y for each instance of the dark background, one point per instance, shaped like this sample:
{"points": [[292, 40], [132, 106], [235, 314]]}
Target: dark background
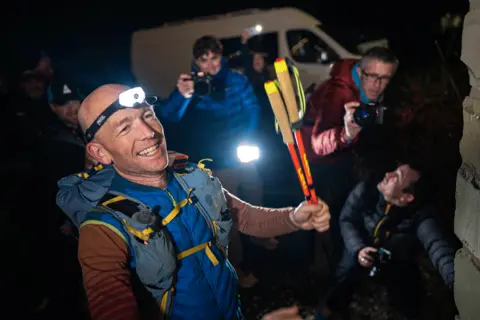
{"points": [[91, 39]]}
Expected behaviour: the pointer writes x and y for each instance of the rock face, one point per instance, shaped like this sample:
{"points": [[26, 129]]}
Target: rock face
{"points": [[467, 214]]}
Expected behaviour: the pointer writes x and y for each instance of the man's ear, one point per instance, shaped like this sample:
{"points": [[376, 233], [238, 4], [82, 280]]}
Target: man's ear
{"points": [[407, 198], [99, 153]]}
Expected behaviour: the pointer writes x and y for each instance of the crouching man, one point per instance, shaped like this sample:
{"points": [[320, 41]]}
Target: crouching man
{"points": [[381, 224]]}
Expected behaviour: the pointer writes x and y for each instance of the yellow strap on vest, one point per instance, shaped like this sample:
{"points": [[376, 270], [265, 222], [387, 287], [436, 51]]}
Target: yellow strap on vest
{"points": [[177, 209], [163, 303], [201, 165], [113, 200], [200, 247], [145, 234], [83, 175]]}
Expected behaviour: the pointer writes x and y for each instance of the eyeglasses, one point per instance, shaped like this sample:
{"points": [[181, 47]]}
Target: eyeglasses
{"points": [[131, 98], [375, 77]]}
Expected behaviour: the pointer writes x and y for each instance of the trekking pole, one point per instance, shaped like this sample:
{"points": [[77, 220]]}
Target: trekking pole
{"points": [[295, 116], [282, 117]]}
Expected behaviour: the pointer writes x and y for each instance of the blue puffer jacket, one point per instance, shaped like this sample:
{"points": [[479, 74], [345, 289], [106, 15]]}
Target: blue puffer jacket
{"points": [[213, 126]]}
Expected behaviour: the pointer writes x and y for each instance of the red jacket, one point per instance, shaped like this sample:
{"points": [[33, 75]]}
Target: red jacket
{"points": [[322, 127]]}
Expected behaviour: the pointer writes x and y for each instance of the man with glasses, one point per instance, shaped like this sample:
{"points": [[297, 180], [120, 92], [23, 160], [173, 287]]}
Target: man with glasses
{"points": [[330, 132]]}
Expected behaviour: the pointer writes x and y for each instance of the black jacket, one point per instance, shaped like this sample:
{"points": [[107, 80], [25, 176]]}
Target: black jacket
{"points": [[401, 230]]}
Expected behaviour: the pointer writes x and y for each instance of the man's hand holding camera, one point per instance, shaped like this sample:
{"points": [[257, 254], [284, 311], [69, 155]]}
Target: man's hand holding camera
{"points": [[366, 258], [351, 128], [185, 85]]}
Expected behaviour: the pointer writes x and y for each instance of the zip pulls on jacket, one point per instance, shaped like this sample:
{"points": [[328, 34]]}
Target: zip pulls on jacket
{"points": [[376, 238]]}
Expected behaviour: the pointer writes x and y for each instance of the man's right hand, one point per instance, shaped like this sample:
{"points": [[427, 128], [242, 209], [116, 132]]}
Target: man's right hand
{"points": [[184, 86], [365, 257], [351, 128]]}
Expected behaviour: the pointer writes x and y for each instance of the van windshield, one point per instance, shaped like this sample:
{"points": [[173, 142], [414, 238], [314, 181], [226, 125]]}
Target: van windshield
{"points": [[307, 47]]}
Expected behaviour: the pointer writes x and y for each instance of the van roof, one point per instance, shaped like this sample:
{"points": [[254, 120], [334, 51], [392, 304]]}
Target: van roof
{"points": [[286, 16]]}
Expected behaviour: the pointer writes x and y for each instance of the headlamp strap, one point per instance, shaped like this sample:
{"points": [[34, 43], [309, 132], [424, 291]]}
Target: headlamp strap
{"points": [[107, 113]]}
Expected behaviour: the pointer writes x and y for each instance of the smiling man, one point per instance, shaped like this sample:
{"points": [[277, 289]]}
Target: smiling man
{"points": [[154, 245]]}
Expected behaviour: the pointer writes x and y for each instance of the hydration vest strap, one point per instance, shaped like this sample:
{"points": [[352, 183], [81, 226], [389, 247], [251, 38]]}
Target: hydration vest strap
{"points": [[208, 252], [202, 167], [85, 175], [120, 203], [176, 210], [166, 300]]}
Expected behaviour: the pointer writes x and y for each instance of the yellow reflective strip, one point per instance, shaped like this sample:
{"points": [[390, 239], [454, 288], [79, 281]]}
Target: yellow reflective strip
{"points": [[175, 212], [211, 256], [85, 175], [98, 168], [113, 200], [163, 304], [79, 175], [95, 222]]}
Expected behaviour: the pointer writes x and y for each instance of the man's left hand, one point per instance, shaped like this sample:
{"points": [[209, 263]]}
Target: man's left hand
{"points": [[312, 216]]}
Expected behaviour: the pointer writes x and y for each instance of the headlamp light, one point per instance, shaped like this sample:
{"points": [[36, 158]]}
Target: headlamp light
{"points": [[130, 98]]}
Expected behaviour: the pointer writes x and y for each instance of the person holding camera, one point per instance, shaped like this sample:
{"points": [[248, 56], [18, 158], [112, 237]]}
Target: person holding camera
{"points": [[330, 131], [217, 106], [382, 225], [219, 112]]}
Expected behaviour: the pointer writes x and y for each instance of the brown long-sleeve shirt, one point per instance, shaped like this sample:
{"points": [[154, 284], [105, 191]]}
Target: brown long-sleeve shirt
{"points": [[103, 256]]}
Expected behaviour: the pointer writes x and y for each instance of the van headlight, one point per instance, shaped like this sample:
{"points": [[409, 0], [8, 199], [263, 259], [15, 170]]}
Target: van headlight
{"points": [[248, 153]]}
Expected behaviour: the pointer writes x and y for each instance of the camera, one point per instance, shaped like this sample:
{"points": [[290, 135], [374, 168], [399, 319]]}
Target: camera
{"points": [[382, 256], [369, 114], [203, 85]]}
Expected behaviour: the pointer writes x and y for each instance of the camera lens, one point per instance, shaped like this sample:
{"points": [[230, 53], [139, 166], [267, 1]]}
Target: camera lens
{"points": [[203, 86], [365, 116]]}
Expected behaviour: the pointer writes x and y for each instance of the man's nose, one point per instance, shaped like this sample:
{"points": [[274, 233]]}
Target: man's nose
{"points": [[145, 130]]}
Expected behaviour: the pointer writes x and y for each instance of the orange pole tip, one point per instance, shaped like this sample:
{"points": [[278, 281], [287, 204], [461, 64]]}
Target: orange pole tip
{"points": [[279, 60]]}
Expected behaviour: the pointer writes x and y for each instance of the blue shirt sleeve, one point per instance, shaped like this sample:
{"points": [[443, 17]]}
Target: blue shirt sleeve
{"points": [[251, 106], [173, 109]]}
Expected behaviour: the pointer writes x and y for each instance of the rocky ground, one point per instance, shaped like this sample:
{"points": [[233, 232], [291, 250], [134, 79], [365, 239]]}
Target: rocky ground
{"points": [[278, 289]]}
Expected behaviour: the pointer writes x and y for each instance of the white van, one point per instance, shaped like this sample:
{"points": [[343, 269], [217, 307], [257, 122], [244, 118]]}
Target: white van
{"points": [[161, 54]]}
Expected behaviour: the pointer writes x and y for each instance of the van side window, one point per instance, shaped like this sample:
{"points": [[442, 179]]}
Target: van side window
{"points": [[266, 43], [307, 47]]}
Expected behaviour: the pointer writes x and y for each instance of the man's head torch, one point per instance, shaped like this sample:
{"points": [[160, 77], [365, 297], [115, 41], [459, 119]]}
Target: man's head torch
{"points": [[131, 98]]}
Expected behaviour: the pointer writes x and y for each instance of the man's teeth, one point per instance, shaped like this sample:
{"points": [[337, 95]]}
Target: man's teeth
{"points": [[148, 151]]}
